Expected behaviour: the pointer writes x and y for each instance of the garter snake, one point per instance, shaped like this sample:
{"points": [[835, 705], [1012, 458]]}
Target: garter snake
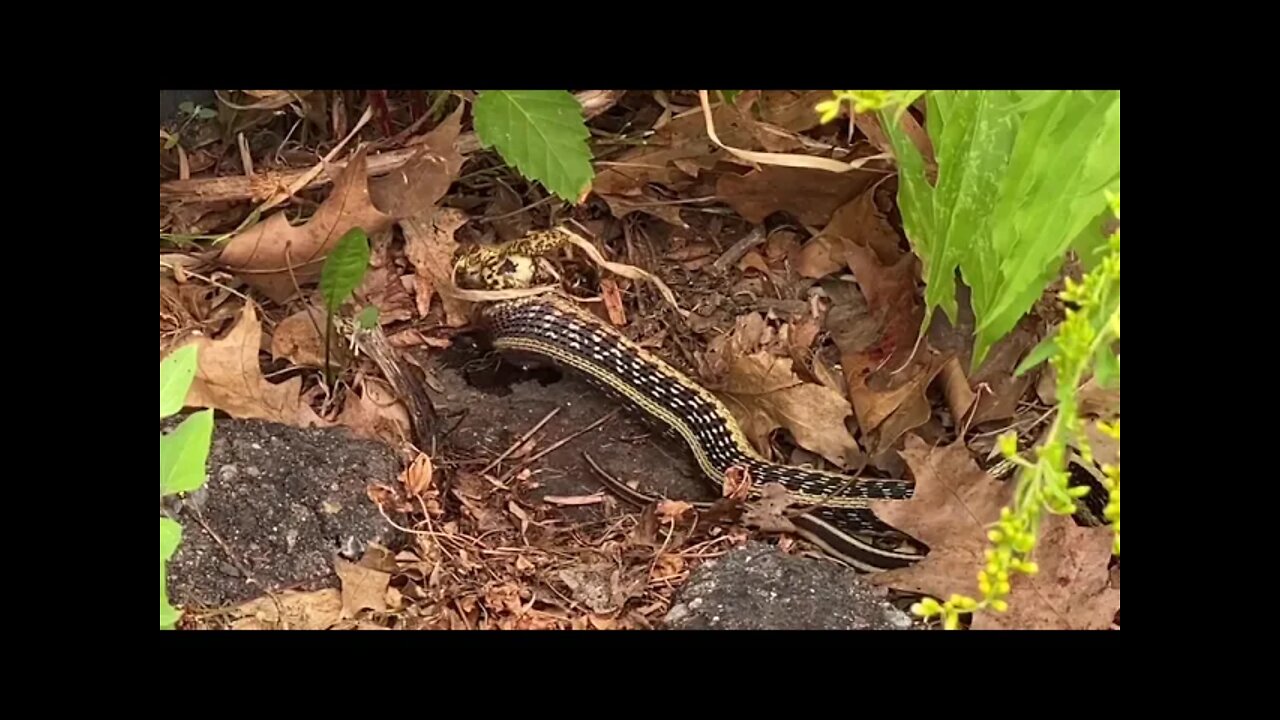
{"points": [[836, 516]]}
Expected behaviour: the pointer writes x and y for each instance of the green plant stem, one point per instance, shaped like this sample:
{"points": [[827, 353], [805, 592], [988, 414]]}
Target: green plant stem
{"points": [[328, 333]]}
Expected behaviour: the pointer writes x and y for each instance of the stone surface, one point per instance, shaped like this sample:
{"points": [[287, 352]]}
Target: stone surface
{"points": [[282, 503], [757, 587]]}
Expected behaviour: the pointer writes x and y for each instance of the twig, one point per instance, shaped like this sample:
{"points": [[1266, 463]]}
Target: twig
{"points": [[199, 516], [523, 439], [265, 184], [558, 444], [740, 248]]}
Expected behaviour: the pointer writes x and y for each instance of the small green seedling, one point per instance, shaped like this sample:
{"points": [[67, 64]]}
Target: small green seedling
{"points": [[183, 455]]}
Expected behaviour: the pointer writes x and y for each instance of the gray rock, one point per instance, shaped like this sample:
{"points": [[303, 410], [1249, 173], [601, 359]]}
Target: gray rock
{"points": [[282, 503], [757, 587]]}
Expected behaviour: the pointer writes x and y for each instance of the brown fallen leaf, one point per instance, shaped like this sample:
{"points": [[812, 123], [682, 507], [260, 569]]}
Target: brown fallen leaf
{"points": [[503, 598], [955, 503], [264, 253], [229, 378], [1002, 390], [755, 261], [737, 483], [820, 257], [955, 386], [768, 512], [376, 413], [297, 340], [385, 288], [417, 478], [430, 247], [791, 109], [620, 207], [291, 610], [809, 194], [672, 510], [684, 139], [591, 585], [363, 588], [1074, 589], [765, 394], [876, 336], [666, 567], [859, 222], [426, 178]]}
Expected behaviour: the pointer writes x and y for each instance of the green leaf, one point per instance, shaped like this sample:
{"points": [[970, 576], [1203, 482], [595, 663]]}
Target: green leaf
{"points": [[541, 133], [184, 452], [1106, 367], [186, 107], [205, 113], [176, 373], [170, 536], [368, 317], [915, 197], [729, 95], [345, 267], [171, 142], [1038, 354]]}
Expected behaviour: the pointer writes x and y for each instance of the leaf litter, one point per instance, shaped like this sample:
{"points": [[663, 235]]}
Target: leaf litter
{"points": [[954, 505], [498, 563], [275, 256]]}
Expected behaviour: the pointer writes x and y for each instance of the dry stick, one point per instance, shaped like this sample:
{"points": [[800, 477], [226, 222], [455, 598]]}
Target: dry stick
{"points": [[523, 439], [199, 516], [264, 184], [734, 254], [558, 444]]}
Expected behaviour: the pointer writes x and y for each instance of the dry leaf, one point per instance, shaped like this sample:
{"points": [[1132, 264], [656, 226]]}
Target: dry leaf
{"points": [[363, 588], [647, 203], [768, 512], [673, 510], [1002, 390], [764, 394], [1097, 401], [1074, 588], [590, 585], [954, 503], [417, 477], [503, 598], [955, 386], [419, 185], [262, 254], [666, 566], [737, 483], [791, 109], [859, 222], [430, 247], [876, 336], [296, 339], [230, 379], [318, 610], [811, 195], [376, 413], [820, 257], [754, 261]]}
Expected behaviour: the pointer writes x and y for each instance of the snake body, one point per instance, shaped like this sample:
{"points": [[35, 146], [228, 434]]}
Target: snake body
{"points": [[839, 522]]}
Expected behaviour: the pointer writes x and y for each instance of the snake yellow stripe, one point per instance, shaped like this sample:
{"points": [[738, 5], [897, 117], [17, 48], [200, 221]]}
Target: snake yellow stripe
{"points": [[837, 518]]}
